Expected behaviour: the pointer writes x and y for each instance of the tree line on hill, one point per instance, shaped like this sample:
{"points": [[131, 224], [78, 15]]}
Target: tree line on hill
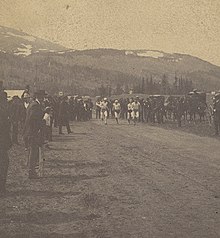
{"points": [[150, 86], [54, 76]]}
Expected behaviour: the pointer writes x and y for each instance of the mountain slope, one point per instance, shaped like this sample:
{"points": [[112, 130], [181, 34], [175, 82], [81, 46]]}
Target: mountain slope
{"points": [[140, 63], [19, 43], [27, 59]]}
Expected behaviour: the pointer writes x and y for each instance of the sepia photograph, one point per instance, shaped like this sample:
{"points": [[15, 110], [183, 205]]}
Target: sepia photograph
{"points": [[109, 119]]}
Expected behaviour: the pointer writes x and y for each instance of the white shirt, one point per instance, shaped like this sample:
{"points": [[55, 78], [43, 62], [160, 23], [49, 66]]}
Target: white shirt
{"points": [[47, 119], [130, 107], [26, 104], [117, 106], [104, 105], [135, 106]]}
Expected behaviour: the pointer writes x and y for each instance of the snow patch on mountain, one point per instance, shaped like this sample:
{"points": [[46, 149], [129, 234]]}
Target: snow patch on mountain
{"points": [[153, 54], [25, 37], [173, 59], [24, 51], [129, 53]]}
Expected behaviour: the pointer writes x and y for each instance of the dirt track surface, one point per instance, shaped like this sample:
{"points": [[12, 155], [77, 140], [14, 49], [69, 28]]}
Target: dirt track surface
{"points": [[117, 181]]}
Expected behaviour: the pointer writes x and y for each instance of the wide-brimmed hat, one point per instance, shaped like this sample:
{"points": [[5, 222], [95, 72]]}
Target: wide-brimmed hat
{"points": [[47, 108]]}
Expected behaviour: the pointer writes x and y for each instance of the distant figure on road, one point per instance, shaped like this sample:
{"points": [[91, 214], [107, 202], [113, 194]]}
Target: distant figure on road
{"points": [[98, 109], [48, 123], [104, 110], [129, 110], [63, 115], [135, 110], [117, 110]]}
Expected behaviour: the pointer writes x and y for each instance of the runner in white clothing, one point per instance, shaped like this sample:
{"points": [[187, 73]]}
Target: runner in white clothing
{"points": [[117, 110], [104, 110], [135, 110], [130, 109]]}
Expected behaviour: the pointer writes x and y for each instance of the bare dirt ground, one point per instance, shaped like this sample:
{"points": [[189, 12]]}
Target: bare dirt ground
{"points": [[117, 181]]}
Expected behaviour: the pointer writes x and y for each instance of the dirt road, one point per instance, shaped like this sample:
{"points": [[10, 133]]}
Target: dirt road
{"points": [[117, 181]]}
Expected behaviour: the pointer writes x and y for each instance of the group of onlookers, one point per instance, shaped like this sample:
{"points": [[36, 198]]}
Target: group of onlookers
{"points": [[157, 108], [32, 117]]}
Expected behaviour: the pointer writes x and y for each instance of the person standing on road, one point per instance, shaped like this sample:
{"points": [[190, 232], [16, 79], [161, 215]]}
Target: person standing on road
{"points": [[48, 123], [63, 115], [147, 110], [104, 110], [179, 111], [135, 110], [5, 141], [33, 130], [117, 110], [129, 110], [26, 102], [98, 109]]}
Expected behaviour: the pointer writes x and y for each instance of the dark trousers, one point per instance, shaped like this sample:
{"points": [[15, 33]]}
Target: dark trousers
{"points": [[217, 122], [4, 162], [217, 126], [33, 159], [97, 113], [67, 127], [15, 132], [147, 116], [48, 133]]}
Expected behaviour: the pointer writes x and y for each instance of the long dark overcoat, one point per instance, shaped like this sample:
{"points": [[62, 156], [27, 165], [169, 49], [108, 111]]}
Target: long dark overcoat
{"points": [[33, 128], [63, 115]]}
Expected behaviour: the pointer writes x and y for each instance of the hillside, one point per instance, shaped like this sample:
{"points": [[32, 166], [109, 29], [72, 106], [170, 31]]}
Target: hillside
{"points": [[29, 60], [22, 44]]}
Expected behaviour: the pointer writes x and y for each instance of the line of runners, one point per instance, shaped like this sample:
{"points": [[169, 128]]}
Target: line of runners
{"points": [[133, 110]]}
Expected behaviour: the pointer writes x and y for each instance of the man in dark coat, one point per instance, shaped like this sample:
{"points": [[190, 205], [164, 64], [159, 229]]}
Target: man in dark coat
{"points": [[16, 113], [5, 141], [63, 115], [33, 130]]}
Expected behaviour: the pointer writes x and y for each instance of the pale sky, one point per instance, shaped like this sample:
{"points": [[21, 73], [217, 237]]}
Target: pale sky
{"points": [[180, 26]]}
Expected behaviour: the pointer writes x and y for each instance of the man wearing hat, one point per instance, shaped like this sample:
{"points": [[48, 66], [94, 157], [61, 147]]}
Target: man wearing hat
{"points": [[33, 130], [26, 92], [63, 116], [26, 102]]}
